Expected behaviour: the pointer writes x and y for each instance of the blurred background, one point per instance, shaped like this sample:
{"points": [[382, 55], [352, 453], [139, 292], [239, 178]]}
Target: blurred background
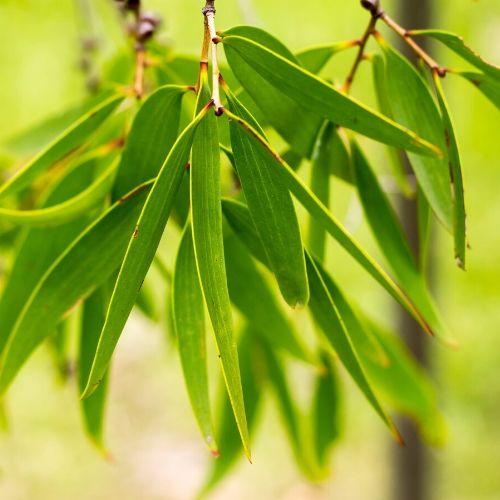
{"points": [[152, 436]]}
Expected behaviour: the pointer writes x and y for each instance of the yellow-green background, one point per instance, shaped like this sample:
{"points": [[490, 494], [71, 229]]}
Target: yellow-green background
{"points": [[153, 438]]}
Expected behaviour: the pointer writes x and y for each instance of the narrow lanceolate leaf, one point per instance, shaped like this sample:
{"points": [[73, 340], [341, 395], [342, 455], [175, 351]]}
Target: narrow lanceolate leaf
{"points": [[390, 237], [151, 137], [142, 246], [67, 210], [327, 318], [457, 44], [413, 105], [488, 85], [282, 112], [189, 320], [37, 250], [325, 411], [251, 294], [94, 310], [335, 229], [456, 173], [252, 378], [86, 264], [322, 98], [70, 139], [206, 215], [272, 210], [314, 59]]}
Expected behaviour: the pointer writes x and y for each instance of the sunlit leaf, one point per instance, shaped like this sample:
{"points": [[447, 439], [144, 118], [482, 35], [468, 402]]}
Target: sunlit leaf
{"points": [[489, 86], [315, 58]]}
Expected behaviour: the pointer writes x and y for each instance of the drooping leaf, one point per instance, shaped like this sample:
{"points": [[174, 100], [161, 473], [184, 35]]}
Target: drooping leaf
{"points": [[315, 58], [457, 44], [151, 137], [37, 249], [206, 215], [70, 139], [413, 105], [68, 210], [489, 86], [327, 318], [390, 237], [271, 208], [455, 166], [142, 246], [94, 310], [279, 109], [322, 98], [86, 264], [334, 228], [58, 344], [253, 297], [189, 320]]}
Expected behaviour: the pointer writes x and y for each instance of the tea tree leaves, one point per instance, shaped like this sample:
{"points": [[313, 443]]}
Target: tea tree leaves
{"points": [[272, 210], [321, 98], [189, 320], [70, 139], [154, 131], [489, 86], [413, 105], [206, 214], [86, 264], [143, 242], [314, 59]]}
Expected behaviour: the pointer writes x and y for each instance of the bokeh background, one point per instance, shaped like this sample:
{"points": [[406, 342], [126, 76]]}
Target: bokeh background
{"points": [[150, 431]]}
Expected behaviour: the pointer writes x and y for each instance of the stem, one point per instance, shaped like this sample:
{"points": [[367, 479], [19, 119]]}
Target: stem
{"points": [[361, 52], [140, 65], [406, 36]]}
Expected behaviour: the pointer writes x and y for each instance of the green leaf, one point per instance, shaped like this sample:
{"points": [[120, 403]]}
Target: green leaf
{"points": [[272, 210], [70, 139], [151, 137], [73, 208], [325, 413], [413, 105], [253, 297], [457, 44], [315, 58], [252, 378], [335, 229], [327, 318], [457, 183], [37, 249], [142, 246], [94, 310], [489, 86], [206, 216], [281, 111], [189, 320], [85, 265], [389, 235], [322, 98]]}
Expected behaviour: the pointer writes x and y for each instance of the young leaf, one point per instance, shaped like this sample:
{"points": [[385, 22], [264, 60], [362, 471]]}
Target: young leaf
{"points": [[314, 59], [456, 172], [281, 111], [457, 44], [77, 206], [489, 86], [253, 297], [189, 320], [151, 137], [38, 249], [327, 317], [206, 216], [413, 105], [142, 246], [70, 139], [86, 264], [271, 208], [428, 322], [322, 98], [94, 310]]}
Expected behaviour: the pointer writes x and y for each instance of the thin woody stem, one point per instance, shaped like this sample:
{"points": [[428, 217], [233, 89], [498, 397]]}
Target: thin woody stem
{"points": [[406, 36], [361, 54], [140, 65]]}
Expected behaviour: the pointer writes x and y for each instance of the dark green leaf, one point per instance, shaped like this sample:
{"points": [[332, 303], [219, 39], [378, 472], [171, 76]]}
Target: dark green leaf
{"points": [[486, 84]]}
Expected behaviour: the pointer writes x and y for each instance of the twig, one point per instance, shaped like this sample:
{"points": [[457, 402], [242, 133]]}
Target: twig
{"points": [[140, 64]]}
